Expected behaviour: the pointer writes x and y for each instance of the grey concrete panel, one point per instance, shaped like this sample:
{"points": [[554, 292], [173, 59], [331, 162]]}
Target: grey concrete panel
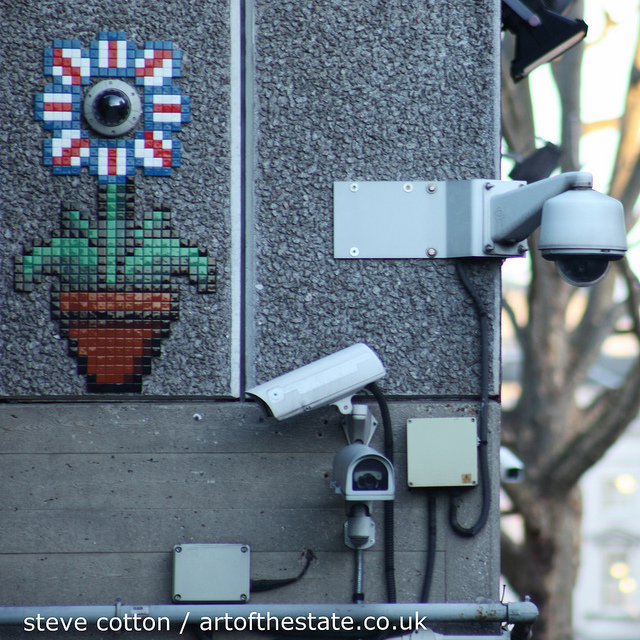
{"points": [[96, 494], [374, 91], [113, 487], [145, 578], [196, 359], [220, 427]]}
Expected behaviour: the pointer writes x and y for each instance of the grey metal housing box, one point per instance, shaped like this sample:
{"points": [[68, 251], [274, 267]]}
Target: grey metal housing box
{"points": [[211, 573], [442, 452]]}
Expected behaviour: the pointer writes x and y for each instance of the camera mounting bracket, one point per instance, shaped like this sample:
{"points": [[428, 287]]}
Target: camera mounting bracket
{"points": [[447, 219], [360, 425]]}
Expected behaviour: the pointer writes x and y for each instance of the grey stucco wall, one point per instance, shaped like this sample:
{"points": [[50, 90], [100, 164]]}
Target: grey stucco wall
{"points": [[97, 495], [100, 491], [196, 359], [370, 91], [366, 91]]}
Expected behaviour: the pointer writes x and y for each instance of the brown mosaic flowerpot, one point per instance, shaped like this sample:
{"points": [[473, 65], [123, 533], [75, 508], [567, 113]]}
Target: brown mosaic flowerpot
{"points": [[114, 335]]}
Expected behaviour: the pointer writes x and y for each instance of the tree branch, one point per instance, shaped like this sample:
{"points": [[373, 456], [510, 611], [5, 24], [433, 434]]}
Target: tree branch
{"points": [[630, 193], [566, 72], [517, 110], [519, 330], [633, 298], [599, 125], [628, 147], [606, 418], [587, 339]]}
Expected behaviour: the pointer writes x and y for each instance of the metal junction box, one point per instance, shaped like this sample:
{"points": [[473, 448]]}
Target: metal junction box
{"points": [[442, 452], [211, 573]]}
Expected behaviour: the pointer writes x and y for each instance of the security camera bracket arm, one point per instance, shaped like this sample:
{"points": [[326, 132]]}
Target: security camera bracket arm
{"points": [[359, 425], [442, 219], [516, 214]]}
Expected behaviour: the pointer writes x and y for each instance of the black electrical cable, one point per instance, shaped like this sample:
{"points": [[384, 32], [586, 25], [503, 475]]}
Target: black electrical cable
{"points": [[431, 549], [269, 585], [483, 454], [389, 511]]}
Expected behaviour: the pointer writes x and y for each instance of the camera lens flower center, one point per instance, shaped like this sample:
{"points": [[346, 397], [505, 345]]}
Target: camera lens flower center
{"points": [[112, 108]]}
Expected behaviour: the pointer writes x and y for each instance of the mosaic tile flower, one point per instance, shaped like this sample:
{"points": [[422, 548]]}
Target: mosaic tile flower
{"points": [[163, 109], [116, 293]]}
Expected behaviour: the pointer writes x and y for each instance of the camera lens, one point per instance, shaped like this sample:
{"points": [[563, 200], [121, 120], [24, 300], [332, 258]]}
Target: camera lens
{"points": [[582, 271], [370, 475], [112, 107]]}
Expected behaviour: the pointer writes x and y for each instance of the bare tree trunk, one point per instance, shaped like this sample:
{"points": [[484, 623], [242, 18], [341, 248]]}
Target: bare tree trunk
{"points": [[554, 556], [557, 439]]}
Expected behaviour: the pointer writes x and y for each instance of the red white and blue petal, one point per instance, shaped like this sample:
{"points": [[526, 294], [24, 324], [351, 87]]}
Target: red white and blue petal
{"points": [[157, 152], [68, 63], [59, 106], [165, 108], [112, 56], [67, 151], [157, 64]]}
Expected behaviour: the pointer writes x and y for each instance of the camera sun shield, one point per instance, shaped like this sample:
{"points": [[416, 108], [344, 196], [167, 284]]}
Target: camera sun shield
{"points": [[331, 379], [361, 474]]}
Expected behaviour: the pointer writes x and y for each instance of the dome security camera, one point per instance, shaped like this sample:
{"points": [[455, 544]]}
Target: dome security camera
{"points": [[582, 231], [112, 108]]}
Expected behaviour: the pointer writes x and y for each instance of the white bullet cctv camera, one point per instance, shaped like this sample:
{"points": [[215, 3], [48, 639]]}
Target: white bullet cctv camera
{"points": [[333, 379], [361, 474], [511, 467]]}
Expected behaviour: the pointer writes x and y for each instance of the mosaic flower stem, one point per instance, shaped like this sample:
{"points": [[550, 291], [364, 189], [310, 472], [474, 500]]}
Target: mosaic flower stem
{"points": [[115, 298]]}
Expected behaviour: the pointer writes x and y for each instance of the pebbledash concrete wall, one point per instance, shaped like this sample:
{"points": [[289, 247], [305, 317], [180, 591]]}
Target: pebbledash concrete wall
{"points": [[278, 100]]}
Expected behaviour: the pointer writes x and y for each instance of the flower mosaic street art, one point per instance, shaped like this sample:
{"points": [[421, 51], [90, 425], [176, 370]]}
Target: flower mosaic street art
{"points": [[108, 155], [114, 299]]}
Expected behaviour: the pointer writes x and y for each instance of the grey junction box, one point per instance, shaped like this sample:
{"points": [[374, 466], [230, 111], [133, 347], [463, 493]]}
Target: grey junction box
{"points": [[442, 452], [211, 573]]}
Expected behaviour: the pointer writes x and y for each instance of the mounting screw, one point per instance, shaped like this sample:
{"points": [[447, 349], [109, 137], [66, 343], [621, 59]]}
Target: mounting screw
{"points": [[408, 187], [522, 249], [177, 597], [244, 549], [354, 252], [178, 549], [432, 187], [243, 597], [432, 252], [489, 185], [488, 248], [353, 187]]}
